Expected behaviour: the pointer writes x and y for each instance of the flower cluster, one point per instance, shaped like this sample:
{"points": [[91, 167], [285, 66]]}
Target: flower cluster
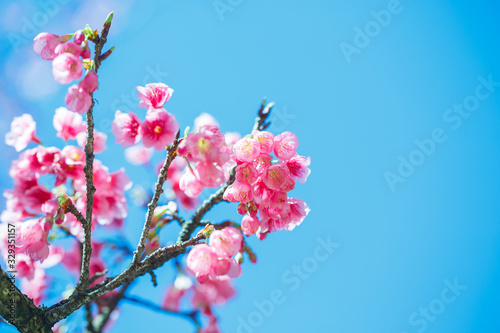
{"points": [[157, 130], [67, 59], [215, 261], [209, 155], [262, 184]]}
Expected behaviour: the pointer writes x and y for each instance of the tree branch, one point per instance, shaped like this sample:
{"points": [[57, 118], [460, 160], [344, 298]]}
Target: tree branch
{"points": [[172, 152], [19, 310], [89, 167]]}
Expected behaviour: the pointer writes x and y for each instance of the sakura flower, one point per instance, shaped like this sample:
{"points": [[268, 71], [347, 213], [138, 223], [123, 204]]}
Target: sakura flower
{"points": [[207, 145], [90, 82], [45, 44], [35, 287], [215, 292], [77, 99], [246, 150], [31, 238], [285, 145], [138, 155], [249, 225], [22, 131], [200, 259], [232, 138], [226, 242], [79, 36], [190, 184], [68, 124], [154, 95], [266, 141], [211, 175], [99, 141], [298, 166], [275, 176], [159, 129], [203, 120], [66, 67], [68, 47], [246, 173], [238, 191], [126, 128]]}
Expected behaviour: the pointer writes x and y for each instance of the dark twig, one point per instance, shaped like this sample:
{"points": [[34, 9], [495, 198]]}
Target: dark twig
{"points": [[89, 166], [263, 114], [172, 152]]}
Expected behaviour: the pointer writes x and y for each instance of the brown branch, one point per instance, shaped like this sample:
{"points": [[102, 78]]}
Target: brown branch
{"points": [[102, 318], [66, 307], [262, 114], [19, 310], [172, 153], [89, 167]]}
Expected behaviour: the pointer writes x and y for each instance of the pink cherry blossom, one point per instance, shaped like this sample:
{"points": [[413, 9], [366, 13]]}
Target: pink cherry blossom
{"points": [[78, 100], [35, 287], [190, 184], [126, 128], [211, 175], [275, 176], [90, 82], [159, 129], [215, 292], [232, 138], [45, 44], [226, 242], [200, 259], [205, 119], [68, 47], [246, 150], [297, 213], [154, 95], [22, 131], [266, 141], [99, 141], [246, 173], [285, 145], [66, 67], [31, 238], [298, 166], [79, 36], [207, 145], [249, 225], [138, 155], [68, 124], [238, 191]]}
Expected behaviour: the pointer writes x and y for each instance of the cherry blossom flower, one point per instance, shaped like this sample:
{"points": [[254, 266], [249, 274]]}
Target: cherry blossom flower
{"points": [[159, 129], [205, 119], [138, 155], [246, 150], [77, 99], [45, 44], [22, 131], [66, 67], [154, 95], [200, 259], [285, 145], [249, 225], [126, 128], [68, 124], [226, 242], [31, 238]]}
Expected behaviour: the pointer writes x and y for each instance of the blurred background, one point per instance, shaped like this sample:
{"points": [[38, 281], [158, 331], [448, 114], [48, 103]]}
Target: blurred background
{"points": [[405, 181]]}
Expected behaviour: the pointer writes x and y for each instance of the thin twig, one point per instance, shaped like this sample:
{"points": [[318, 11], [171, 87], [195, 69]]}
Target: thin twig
{"points": [[172, 152], [88, 317], [89, 167]]}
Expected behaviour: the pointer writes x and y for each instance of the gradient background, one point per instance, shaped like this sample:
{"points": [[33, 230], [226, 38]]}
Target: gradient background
{"points": [[354, 119]]}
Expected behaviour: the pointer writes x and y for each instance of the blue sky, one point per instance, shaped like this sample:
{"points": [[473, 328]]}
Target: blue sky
{"points": [[400, 246]]}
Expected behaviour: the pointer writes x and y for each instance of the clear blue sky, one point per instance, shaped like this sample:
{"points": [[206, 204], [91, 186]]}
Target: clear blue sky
{"points": [[355, 113]]}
